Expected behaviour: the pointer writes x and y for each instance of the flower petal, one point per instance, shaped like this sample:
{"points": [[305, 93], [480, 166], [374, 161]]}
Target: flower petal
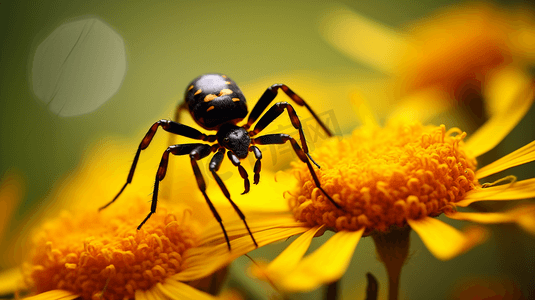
{"points": [[500, 124], [148, 294], [213, 253], [258, 222], [140, 295], [11, 280], [527, 222], [422, 105], [260, 197], [523, 189], [502, 84], [524, 216], [444, 241], [289, 258], [172, 289], [53, 295], [518, 157], [362, 39], [327, 264], [363, 110], [485, 218]]}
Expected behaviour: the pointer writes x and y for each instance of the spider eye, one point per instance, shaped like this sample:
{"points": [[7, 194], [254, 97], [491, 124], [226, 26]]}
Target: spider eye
{"points": [[226, 139]]}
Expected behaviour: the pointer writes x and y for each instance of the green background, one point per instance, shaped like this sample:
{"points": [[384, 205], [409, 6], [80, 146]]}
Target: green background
{"points": [[168, 43]]}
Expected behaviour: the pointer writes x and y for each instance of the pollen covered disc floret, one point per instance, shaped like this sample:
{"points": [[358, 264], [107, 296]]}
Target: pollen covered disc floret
{"points": [[384, 176], [89, 253]]}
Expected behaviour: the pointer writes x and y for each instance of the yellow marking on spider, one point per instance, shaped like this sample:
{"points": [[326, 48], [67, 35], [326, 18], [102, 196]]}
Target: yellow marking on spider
{"points": [[190, 87], [224, 76], [235, 99], [198, 92], [225, 92], [209, 97], [228, 82], [210, 108]]}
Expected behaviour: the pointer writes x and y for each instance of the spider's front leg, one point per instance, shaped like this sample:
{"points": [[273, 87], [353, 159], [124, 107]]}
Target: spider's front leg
{"points": [[169, 126], [215, 163], [258, 163], [236, 162], [283, 138], [196, 152]]}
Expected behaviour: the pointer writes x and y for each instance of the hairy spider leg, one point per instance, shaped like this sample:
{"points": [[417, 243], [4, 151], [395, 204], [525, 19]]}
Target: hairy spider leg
{"points": [[282, 138], [215, 163]]}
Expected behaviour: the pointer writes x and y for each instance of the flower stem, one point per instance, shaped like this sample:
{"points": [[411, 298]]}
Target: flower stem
{"points": [[331, 292], [373, 287], [393, 249]]}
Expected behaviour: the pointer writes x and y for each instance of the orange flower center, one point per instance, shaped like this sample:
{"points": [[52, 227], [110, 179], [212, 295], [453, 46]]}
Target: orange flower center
{"points": [[384, 176], [94, 253]]}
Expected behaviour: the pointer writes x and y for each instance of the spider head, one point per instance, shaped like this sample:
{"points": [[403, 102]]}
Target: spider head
{"points": [[234, 138]]}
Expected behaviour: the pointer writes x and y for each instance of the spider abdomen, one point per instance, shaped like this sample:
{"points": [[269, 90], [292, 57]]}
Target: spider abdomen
{"points": [[215, 99]]}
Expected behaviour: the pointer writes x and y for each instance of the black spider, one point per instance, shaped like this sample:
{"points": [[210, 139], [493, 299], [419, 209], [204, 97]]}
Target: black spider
{"points": [[217, 103]]}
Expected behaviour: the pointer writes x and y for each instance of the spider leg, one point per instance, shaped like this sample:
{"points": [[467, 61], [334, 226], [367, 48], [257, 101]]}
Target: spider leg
{"points": [[215, 163], [169, 126], [258, 164], [276, 110], [236, 162], [283, 138], [172, 140], [196, 152], [270, 94]]}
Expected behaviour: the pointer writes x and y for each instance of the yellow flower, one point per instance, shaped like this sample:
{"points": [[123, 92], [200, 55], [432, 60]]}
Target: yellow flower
{"points": [[93, 254], [466, 45], [80, 252], [462, 53], [393, 178]]}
